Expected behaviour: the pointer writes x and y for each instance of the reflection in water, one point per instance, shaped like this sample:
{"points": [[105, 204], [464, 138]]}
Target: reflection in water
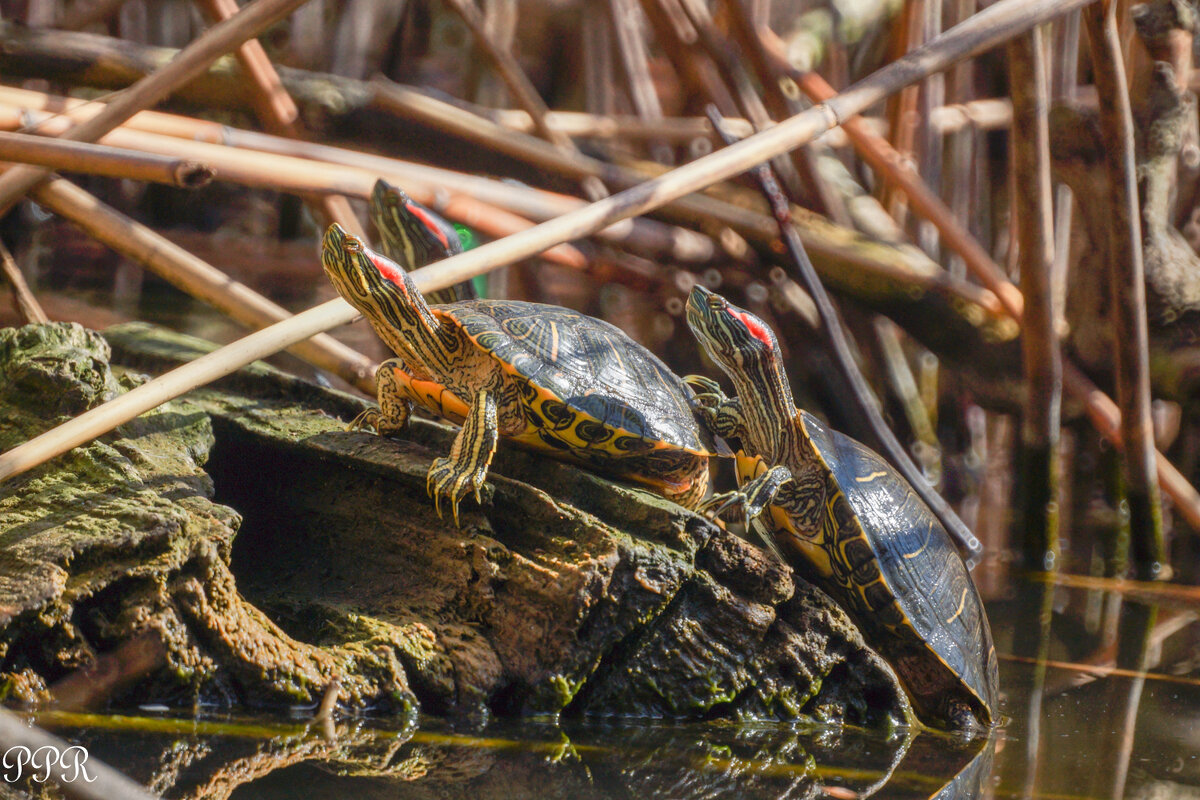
{"points": [[1116, 719], [244, 759]]}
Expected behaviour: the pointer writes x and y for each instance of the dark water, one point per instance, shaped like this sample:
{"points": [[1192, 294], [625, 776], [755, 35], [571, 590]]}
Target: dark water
{"points": [[1076, 726]]}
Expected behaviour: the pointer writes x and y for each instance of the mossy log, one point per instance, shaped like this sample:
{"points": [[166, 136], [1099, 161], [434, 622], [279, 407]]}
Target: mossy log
{"points": [[565, 593]]}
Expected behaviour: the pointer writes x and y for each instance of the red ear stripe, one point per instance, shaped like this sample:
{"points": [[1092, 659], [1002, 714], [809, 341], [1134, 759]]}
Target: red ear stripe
{"points": [[386, 268], [753, 325], [433, 227]]}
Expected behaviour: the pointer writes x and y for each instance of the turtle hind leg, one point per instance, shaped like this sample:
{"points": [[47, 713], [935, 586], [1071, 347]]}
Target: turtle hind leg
{"points": [[465, 469], [394, 405]]}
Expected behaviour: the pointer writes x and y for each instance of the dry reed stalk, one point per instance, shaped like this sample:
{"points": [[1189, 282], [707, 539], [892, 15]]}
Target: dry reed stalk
{"points": [[95, 159], [197, 278], [883, 158], [1038, 477], [673, 130], [728, 62], [825, 199], [1127, 291], [191, 61], [635, 62], [24, 300], [996, 24], [648, 235], [302, 176], [278, 112]]}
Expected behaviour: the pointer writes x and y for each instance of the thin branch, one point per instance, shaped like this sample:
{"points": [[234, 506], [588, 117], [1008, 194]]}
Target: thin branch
{"points": [[191, 62], [277, 111], [95, 159], [1040, 425], [996, 24], [27, 305], [1127, 290], [197, 277]]}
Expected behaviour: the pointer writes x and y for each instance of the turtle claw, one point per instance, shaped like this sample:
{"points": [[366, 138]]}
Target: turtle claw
{"points": [[716, 505], [446, 481], [366, 419]]}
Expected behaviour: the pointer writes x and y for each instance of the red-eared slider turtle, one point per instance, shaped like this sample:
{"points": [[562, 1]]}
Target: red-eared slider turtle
{"points": [[860, 531], [409, 233], [544, 376]]}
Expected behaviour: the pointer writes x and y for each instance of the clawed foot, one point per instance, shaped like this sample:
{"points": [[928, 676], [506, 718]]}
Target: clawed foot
{"points": [[446, 479], [366, 419], [716, 505], [374, 419]]}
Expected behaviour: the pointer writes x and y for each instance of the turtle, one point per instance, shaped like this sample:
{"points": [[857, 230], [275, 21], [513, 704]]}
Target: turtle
{"points": [[544, 376], [847, 521], [409, 233]]}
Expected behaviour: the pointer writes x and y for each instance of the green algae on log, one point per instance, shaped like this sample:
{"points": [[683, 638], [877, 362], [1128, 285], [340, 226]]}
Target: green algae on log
{"points": [[565, 593], [121, 538]]}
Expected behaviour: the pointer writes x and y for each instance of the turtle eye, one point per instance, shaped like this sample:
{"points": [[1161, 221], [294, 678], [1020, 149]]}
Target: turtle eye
{"points": [[352, 246], [716, 302]]}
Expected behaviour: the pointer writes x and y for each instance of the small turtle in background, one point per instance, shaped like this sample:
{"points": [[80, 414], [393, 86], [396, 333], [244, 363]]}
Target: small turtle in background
{"points": [[849, 522]]}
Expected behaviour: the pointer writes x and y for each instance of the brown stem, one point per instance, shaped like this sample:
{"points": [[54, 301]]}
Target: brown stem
{"points": [[192, 61], [631, 47], [825, 199], [1038, 476], [277, 111], [196, 277], [95, 159], [27, 305], [1127, 289]]}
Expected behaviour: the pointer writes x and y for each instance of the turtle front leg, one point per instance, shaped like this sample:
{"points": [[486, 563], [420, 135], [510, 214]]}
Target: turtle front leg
{"points": [[465, 469], [394, 405], [721, 414]]}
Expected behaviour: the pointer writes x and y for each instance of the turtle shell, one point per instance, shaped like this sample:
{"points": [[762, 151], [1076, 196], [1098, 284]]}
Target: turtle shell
{"points": [[906, 585], [573, 364]]}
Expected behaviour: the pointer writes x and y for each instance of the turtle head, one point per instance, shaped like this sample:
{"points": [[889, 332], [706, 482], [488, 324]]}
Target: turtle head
{"points": [[372, 283], [733, 337], [410, 232]]}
